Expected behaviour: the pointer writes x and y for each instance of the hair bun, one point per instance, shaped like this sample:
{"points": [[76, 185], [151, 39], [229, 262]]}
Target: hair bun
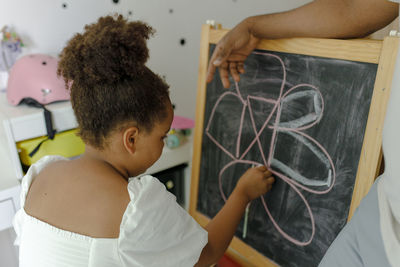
{"points": [[110, 50]]}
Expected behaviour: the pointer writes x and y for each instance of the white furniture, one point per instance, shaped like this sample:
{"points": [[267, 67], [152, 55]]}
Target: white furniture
{"points": [[23, 122]]}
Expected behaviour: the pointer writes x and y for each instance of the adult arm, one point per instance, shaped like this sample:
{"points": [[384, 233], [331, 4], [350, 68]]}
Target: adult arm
{"points": [[320, 18]]}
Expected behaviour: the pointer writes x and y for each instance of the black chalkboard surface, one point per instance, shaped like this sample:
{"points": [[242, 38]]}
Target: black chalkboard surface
{"points": [[310, 114], [307, 117]]}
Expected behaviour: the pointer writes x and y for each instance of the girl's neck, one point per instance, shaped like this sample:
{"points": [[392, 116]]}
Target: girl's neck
{"points": [[103, 157]]}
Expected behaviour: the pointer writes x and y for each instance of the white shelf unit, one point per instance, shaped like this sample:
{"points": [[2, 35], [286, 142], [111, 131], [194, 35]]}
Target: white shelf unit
{"points": [[23, 122]]}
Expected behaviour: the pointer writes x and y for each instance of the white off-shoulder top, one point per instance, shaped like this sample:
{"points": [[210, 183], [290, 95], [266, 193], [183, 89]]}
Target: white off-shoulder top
{"points": [[154, 231]]}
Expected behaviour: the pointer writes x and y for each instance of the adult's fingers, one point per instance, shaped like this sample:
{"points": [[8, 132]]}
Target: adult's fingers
{"points": [[211, 67], [221, 53], [224, 74], [234, 72], [240, 67], [218, 58], [210, 72]]}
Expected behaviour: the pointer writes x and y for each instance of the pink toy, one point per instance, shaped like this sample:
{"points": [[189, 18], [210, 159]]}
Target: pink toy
{"points": [[35, 76], [180, 123]]}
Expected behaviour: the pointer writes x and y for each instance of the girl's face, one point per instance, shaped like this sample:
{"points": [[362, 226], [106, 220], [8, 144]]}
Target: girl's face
{"points": [[150, 144]]}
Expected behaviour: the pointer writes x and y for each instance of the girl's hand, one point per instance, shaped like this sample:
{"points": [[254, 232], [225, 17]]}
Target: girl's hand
{"points": [[255, 182]]}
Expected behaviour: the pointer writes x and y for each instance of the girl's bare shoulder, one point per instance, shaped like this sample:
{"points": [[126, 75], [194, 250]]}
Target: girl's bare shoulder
{"points": [[83, 197]]}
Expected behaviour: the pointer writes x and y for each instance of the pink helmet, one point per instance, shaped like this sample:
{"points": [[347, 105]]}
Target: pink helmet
{"points": [[35, 76]]}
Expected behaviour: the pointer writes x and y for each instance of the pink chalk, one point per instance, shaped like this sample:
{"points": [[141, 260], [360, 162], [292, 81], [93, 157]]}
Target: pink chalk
{"points": [[182, 123]]}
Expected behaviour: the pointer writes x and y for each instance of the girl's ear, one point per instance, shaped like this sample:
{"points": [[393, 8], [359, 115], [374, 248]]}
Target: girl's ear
{"points": [[130, 139]]}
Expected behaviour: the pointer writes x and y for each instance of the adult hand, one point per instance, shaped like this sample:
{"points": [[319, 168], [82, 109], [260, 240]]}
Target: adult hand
{"points": [[231, 52]]}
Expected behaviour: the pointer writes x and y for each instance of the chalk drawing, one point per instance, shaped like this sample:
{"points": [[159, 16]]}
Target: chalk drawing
{"points": [[294, 129]]}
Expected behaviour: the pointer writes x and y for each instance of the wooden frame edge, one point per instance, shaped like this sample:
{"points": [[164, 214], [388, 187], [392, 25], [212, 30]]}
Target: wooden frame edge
{"points": [[353, 49], [199, 121], [369, 163]]}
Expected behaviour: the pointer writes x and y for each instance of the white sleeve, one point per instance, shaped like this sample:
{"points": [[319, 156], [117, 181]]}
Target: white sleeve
{"points": [[155, 230]]}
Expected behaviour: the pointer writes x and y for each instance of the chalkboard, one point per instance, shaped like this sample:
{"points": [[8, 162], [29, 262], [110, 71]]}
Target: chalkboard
{"points": [[315, 164], [305, 117]]}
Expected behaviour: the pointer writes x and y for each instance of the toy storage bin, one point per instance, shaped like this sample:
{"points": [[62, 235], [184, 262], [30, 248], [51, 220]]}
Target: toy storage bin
{"points": [[66, 144]]}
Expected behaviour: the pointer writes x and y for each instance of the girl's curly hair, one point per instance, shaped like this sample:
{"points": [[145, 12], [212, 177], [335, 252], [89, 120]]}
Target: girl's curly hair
{"points": [[104, 69]]}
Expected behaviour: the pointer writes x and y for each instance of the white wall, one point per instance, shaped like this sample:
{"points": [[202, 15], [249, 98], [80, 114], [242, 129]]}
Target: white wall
{"points": [[45, 26]]}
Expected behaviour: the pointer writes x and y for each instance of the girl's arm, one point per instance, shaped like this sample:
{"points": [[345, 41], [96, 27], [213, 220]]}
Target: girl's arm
{"points": [[254, 183]]}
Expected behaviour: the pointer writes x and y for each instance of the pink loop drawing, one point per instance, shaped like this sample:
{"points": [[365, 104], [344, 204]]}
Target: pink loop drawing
{"points": [[274, 118]]}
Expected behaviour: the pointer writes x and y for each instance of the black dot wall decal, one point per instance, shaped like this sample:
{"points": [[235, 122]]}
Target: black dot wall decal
{"points": [[182, 41]]}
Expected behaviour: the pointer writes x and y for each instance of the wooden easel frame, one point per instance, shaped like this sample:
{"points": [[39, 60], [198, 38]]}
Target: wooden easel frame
{"points": [[371, 51]]}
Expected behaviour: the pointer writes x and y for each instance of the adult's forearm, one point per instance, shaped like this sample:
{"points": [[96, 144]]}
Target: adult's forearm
{"points": [[325, 19]]}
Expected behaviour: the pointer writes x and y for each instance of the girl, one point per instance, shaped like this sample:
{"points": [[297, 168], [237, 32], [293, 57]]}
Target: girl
{"points": [[91, 211]]}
